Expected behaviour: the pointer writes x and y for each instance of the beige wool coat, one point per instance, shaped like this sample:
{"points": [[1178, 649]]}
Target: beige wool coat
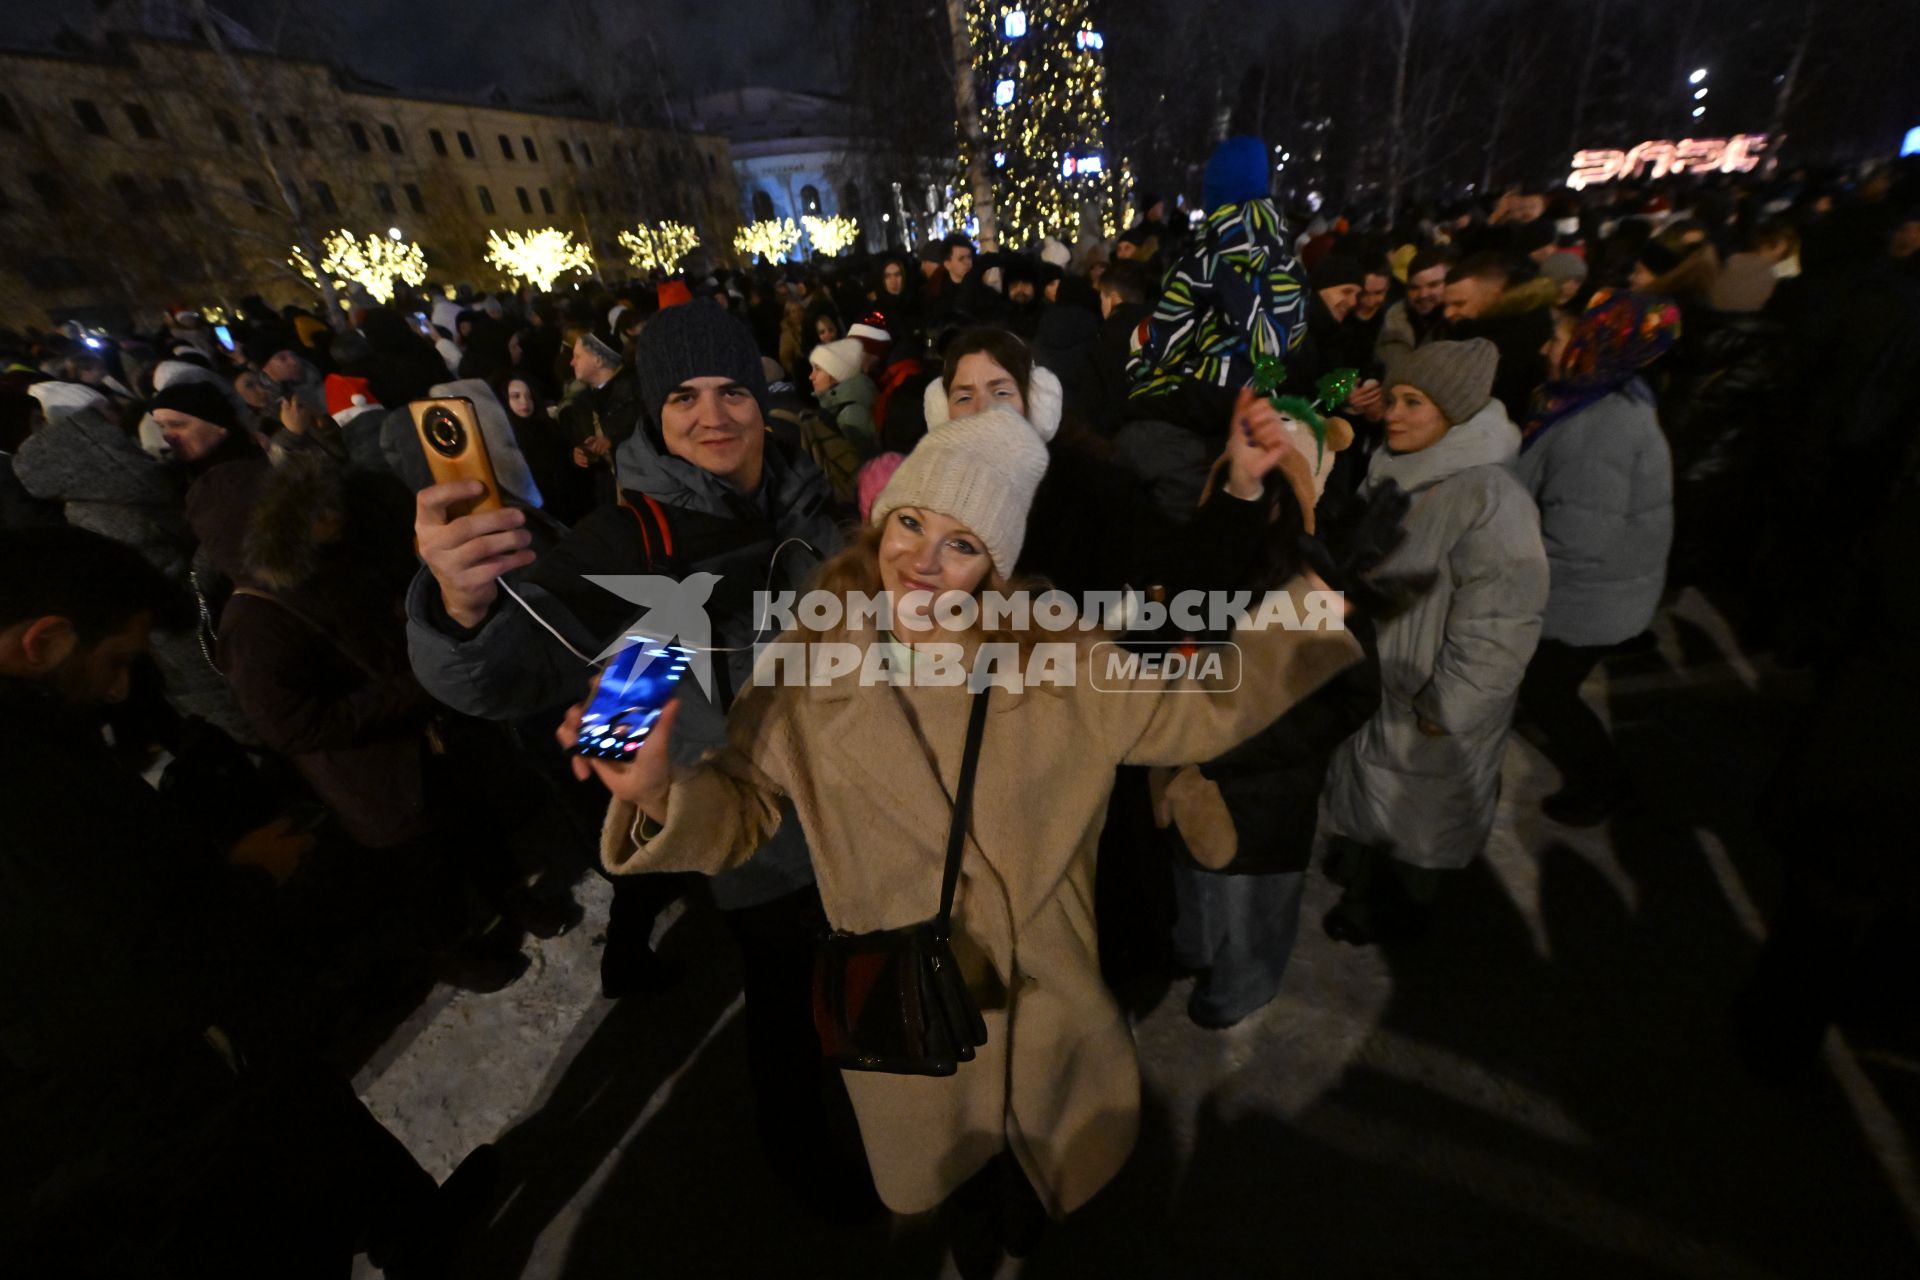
{"points": [[1056, 1081]]}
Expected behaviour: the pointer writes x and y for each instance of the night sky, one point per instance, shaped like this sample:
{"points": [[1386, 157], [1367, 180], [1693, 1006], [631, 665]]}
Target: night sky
{"points": [[466, 45]]}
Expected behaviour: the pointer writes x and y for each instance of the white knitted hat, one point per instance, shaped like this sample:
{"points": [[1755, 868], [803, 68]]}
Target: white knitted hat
{"points": [[982, 471], [841, 359]]}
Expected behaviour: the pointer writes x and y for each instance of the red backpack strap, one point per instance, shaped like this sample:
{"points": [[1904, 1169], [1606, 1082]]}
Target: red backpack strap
{"points": [[653, 527]]}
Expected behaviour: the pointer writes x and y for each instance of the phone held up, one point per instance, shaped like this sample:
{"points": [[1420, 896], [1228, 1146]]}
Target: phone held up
{"points": [[456, 450], [635, 687]]}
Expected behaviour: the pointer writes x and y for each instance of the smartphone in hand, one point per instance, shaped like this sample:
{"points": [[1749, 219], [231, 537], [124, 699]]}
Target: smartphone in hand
{"points": [[634, 688], [456, 450]]}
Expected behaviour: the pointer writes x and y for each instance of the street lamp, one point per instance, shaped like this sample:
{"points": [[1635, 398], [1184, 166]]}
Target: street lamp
{"points": [[393, 233], [1698, 75]]}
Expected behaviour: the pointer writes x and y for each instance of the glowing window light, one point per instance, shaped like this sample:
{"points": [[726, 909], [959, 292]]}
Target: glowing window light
{"points": [[1003, 94], [1016, 25]]}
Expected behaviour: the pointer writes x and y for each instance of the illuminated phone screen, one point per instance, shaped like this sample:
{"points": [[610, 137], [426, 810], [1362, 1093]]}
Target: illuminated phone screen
{"points": [[634, 689]]}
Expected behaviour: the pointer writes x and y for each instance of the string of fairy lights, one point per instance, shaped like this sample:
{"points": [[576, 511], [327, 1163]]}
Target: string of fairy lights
{"points": [[1040, 70]]}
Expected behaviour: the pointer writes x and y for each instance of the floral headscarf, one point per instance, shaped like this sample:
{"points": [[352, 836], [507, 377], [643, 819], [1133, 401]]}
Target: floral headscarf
{"points": [[1617, 336]]}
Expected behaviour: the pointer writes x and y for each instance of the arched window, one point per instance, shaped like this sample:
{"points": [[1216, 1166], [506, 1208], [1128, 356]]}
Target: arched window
{"points": [[762, 206], [810, 199]]}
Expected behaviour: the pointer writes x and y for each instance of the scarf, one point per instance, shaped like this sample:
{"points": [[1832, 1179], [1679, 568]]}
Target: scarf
{"points": [[1617, 336]]}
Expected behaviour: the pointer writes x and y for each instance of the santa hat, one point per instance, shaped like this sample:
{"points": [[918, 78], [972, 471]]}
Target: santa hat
{"points": [[348, 398], [871, 333]]}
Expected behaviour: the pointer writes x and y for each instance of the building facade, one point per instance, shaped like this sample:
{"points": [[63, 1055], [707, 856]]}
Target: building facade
{"points": [[794, 154], [136, 175]]}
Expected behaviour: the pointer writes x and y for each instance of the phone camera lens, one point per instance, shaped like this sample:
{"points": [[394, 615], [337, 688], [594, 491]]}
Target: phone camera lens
{"points": [[445, 433]]}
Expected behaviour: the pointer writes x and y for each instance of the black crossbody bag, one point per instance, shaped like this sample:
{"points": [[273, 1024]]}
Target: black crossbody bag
{"points": [[893, 1000]]}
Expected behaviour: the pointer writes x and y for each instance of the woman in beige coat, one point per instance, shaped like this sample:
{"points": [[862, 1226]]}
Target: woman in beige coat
{"points": [[870, 768]]}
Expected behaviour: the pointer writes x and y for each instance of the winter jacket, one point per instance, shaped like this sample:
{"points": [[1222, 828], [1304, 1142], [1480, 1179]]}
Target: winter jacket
{"points": [[850, 405], [1520, 323], [1603, 481], [315, 649], [106, 483], [1237, 298], [1454, 657], [611, 410], [1056, 1082], [1403, 331], [123, 938], [510, 666]]}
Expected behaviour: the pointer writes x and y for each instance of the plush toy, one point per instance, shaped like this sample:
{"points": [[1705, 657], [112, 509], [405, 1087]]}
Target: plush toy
{"points": [[1315, 439]]}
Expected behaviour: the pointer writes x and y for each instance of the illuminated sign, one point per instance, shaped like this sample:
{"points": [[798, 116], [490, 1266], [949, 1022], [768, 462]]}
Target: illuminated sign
{"points": [[1070, 165], [1003, 94], [1738, 154], [1911, 147], [1016, 24], [1089, 39]]}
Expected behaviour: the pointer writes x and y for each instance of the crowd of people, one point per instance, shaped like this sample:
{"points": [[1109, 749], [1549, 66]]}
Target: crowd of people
{"points": [[272, 722]]}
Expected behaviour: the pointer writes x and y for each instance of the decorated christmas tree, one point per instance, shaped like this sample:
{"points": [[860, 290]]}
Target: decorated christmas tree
{"points": [[1040, 75]]}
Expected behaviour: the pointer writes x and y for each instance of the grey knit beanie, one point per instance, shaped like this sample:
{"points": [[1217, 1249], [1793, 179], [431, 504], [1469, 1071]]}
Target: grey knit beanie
{"points": [[982, 471], [695, 340], [1456, 376]]}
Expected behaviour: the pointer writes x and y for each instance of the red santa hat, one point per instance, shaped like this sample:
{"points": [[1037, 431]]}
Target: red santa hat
{"points": [[348, 398], [871, 333]]}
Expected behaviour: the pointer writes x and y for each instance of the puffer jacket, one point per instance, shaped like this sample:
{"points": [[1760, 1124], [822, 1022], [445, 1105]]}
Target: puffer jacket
{"points": [[1604, 484], [511, 667], [1453, 658], [850, 405]]}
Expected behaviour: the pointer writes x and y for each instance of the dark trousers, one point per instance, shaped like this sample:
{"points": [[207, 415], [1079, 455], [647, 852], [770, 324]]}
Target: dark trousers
{"points": [[800, 1103], [1576, 740]]}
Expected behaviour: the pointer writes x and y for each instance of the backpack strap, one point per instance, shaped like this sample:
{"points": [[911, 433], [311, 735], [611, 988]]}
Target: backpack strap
{"points": [[654, 531]]}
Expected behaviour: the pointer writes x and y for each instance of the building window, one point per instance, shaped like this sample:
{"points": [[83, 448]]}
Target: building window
{"points": [[528, 144], [506, 146], [142, 122], [762, 206], [566, 152], [466, 144], [392, 136], [323, 195], [586, 153], [546, 200], [9, 118], [297, 130], [359, 136], [229, 130], [526, 205], [256, 194], [384, 194], [486, 199], [414, 201], [439, 141], [266, 130], [809, 199], [89, 116], [126, 189], [173, 195], [48, 188]]}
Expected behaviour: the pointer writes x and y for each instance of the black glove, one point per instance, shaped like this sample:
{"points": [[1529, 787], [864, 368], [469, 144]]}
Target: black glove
{"points": [[1359, 538]]}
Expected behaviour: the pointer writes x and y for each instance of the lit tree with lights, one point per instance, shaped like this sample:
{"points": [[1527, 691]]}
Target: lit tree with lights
{"points": [[830, 235], [373, 262], [1040, 74], [661, 245], [770, 239], [538, 257]]}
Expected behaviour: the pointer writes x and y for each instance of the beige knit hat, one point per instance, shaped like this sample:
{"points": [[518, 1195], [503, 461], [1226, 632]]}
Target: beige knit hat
{"points": [[982, 471], [1456, 376]]}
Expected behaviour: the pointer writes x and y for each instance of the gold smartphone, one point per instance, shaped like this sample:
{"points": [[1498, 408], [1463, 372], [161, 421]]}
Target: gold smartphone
{"points": [[456, 450]]}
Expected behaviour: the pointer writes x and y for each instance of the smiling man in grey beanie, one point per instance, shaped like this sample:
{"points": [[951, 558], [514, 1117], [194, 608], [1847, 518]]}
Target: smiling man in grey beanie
{"points": [[708, 499]]}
